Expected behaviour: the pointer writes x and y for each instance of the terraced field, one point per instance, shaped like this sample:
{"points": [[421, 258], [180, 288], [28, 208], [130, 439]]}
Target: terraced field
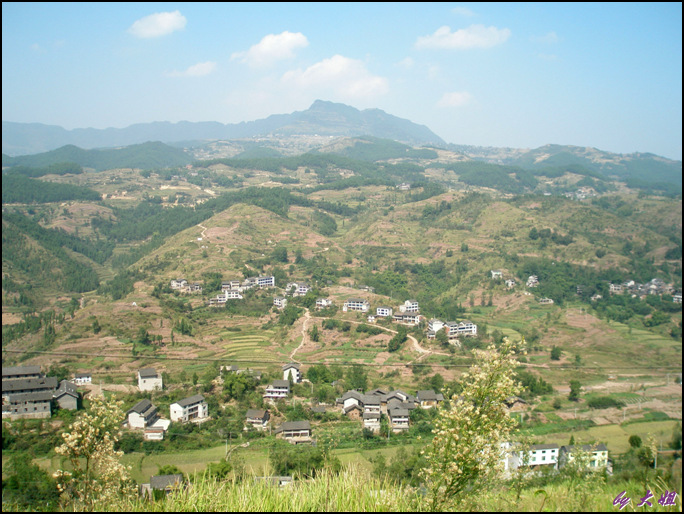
{"points": [[253, 347]]}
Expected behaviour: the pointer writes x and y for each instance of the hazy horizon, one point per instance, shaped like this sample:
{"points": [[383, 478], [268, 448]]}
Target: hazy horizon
{"points": [[502, 75]]}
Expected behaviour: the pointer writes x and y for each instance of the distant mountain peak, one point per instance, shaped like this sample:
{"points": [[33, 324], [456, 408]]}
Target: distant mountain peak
{"points": [[322, 117]]}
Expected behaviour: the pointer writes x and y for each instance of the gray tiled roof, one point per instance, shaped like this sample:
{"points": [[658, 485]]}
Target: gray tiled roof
{"points": [[20, 370], [148, 373], [190, 400], [141, 406], [161, 482], [294, 425], [27, 384]]}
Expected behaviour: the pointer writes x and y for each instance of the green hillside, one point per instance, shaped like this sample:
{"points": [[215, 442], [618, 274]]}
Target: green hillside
{"points": [[145, 155]]}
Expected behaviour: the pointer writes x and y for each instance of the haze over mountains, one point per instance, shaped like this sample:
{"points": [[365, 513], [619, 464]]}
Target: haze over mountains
{"points": [[322, 118], [41, 145]]}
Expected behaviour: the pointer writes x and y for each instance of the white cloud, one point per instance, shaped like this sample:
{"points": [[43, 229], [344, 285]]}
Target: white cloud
{"points": [[462, 11], [475, 36], [547, 39], [455, 99], [158, 24], [406, 63], [272, 48], [339, 75], [197, 70]]}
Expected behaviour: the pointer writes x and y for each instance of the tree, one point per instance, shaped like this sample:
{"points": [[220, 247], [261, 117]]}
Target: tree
{"points": [[143, 336], [96, 474], [280, 254], [314, 334], [357, 377], [466, 449], [575, 388], [27, 487], [555, 353], [442, 337], [634, 441]]}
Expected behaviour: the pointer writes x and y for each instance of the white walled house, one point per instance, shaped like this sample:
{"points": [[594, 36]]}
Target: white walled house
{"points": [[142, 414], [278, 389], [257, 418], [292, 371], [383, 312], [409, 306], [265, 281], [356, 304], [280, 302], [149, 380], [298, 288], [398, 419], [83, 378], [541, 455], [188, 409], [323, 303]]}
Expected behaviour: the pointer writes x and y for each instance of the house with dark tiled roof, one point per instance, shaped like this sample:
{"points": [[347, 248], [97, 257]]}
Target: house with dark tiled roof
{"points": [[142, 414], [371, 421], [161, 485], [149, 380], [295, 432], [398, 419], [16, 372], [257, 418], [277, 389], [193, 408], [66, 395], [428, 399], [291, 371]]}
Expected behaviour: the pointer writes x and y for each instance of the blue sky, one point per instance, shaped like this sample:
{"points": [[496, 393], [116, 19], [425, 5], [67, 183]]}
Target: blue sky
{"points": [[516, 75]]}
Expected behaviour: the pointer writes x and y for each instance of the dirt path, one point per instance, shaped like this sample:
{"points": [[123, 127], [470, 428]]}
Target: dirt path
{"points": [[307, 317], [424, 352], [204, 229]]}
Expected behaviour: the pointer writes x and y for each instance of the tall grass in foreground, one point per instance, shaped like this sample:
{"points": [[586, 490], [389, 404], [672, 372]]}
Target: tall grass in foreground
{"points": [[354, 490], [350, 491]]}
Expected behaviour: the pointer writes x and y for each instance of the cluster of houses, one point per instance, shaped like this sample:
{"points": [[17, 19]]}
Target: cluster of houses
{"points": [[295, 289], [183, 286], [29, 394], [144, 415], [453, 329], [233, 289], [396, 405], [654, 286], [552, 456]]}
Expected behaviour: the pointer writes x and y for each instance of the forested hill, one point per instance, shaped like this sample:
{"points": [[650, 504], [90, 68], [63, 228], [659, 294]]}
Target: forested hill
{"points": [[145, 155]]}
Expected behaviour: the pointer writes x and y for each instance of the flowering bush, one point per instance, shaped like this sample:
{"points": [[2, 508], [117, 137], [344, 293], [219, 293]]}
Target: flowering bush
{"points": [[466, 449], [96, 472]]}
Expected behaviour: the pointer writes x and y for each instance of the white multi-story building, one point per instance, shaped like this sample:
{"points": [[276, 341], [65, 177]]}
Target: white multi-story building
{"points": [[323, 303], [541, 455], [280, 302], [383, 312], [356, 304], [193, 407], [266, 281], [291, 371], [278, 389], [409, 306]]}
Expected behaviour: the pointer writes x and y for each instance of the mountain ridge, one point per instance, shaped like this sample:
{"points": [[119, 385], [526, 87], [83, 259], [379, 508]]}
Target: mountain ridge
{"points": [[322, 117]]}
